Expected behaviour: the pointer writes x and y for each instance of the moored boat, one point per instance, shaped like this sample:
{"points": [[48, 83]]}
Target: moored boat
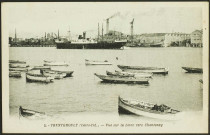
{"points": [[41, 67], [54, 63], [68, 73], [89, 62], [17, 65], [31, 77], [30, 113], [55, 75], [140, 74], [193, 70], [117, 79], [147, 109], [163, 71], [16, 74], [18, 69], [17, 61], [119, 74], [139, 67]]}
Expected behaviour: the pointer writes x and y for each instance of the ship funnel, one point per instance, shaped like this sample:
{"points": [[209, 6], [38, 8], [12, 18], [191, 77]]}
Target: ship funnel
{"points": [[84, 35], [107, 25]]}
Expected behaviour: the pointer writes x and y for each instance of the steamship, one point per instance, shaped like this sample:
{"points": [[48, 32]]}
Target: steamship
{"points": [[86, 43]]}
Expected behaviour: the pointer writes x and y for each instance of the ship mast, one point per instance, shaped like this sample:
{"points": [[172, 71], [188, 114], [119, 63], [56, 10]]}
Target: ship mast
{"points": [[15, 36], [102, 31], [98, 31], [58, 33], [69, 32]]}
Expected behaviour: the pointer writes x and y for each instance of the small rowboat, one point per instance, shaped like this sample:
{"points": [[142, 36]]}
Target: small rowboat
{"points": [[139, 67], [30, 113], [116, 79], [68, 73], [41, 67], [163, 71], [17, 65], [119, 74], [16, 74], [147, 109], [89, 62], [18, 69], [55, 75], [54, 63], [140, 74], [31, 77], [193, 70], [17, 61]]}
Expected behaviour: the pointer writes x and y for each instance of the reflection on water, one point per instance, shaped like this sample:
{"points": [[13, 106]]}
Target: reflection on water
{"points": [[85, 93]]}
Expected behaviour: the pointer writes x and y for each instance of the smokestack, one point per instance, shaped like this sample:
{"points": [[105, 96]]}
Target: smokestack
{"points": [[84, 35], [132, 30], [107, 25]]}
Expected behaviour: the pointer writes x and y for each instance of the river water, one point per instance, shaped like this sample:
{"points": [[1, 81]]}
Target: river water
{"points": [[85, 93]]}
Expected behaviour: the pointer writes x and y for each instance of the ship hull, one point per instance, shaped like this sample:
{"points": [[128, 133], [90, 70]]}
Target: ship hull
{"points": [[102, 45]]}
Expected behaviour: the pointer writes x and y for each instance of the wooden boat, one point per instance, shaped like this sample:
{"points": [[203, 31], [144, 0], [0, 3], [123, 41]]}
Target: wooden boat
{"points": [[18, 69], [89, 62], [68, 73], [41, 67], [139, 68], [163, 71], [117, 79], [160, 44], [54, 63], [55, 75], [16, 74], [17, 61], [17, 65], [140, 74], [147, 109], [193, 70], [119, 74], [30, 113], [31, 77]]}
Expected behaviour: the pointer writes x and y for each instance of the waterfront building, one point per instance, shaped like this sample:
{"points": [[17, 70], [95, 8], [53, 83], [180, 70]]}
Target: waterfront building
{"points": [[167, 39], [196, 38]]}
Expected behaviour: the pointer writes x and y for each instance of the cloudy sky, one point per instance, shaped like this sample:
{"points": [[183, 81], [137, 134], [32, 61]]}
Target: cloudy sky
{"points": [[33, 19]]}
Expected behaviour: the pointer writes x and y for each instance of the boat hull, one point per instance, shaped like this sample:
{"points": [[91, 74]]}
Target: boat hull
{"points": [[158, 71], [15, 74], [122, 80], [123, 107], [101, 45], [193, 70], [31, 78]]}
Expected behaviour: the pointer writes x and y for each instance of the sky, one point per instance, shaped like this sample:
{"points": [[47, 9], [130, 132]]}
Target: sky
{"points": [[34, 19]]}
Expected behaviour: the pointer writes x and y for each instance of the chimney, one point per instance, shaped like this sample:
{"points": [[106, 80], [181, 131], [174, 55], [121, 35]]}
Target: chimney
{"points": [[45, 36], [107, 25], [84, 35]]}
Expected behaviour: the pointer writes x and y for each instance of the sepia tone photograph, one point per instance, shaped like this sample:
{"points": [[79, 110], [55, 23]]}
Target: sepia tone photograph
{"points": [[105, 67]]}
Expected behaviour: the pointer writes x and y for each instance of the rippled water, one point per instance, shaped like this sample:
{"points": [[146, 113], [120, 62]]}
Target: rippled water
{"points": [[84, 92]]}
